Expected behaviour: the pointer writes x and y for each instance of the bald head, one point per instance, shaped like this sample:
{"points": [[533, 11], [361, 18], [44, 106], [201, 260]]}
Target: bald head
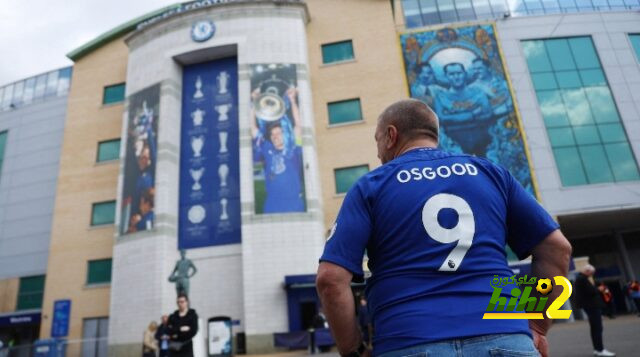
{"points": [[588, 270], [403, 124], [412, 118]]}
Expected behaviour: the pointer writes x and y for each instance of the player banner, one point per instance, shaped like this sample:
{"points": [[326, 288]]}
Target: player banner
{"points": [[209, 156], [138, 191], [276, 131], [460, 74]]}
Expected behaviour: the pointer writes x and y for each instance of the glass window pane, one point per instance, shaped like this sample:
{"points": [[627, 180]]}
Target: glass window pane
{"points": [[29, 89], [345, 111], [593, 77], [336, 52], [103, 334], [561, 137], [346, 177], [552, 108], [498, 7], [569, 166], [482, 8], [551, 6], [52, 84], [64, 81], [595, 164], [7, 96], [635, 42], [109, 150], [447, 11], [113, 94], [411, 13], [584, 53], [536, 55], [3, 141], [544, 81], [429, 12], [31, 292], [602, 105], [586, 134], [612, 133], [89, 334], [18, 93], [584, 5], [560, 54], [533, 6], [622, 162], [41, 84], [465, 10], [577, 106], [99, 271], [568, 79], [103, 213]]}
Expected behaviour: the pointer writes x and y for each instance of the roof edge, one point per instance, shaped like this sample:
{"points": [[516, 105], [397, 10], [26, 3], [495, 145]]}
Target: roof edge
{"points": [[110, 35]]}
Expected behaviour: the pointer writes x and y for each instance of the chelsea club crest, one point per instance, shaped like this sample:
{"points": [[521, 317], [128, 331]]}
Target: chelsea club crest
{"points": [[202, 30]]}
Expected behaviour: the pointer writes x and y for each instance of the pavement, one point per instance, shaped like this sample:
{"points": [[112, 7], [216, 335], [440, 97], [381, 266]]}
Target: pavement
{"points": [[621, 335]]}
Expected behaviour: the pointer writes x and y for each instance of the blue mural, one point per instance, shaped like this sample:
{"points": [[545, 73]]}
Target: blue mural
{"points": [[459, 73]]}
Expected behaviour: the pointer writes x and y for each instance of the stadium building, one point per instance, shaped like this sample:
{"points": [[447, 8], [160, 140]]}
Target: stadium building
{"points": [[233, 129]]}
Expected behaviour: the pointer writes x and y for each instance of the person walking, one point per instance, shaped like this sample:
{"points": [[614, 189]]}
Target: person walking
{"points": [[435, 226], [183, 326], [588, 298], [149, 344], [162, 336], [633, 289]]}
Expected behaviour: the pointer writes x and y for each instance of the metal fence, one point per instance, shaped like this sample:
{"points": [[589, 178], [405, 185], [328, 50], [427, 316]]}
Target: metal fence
{"points": [[91, 347]]}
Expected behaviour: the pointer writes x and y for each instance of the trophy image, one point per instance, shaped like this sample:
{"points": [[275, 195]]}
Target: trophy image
{"points": [[196, 145], [198, 94], [196, 214], [223, 82], [224, 216], [197, 116], [223, 135], [196, 175], [223, 111], [223, 172]]}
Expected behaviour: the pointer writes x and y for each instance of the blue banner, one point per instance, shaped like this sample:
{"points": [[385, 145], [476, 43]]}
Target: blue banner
{"points": [[209, 156], [61, 315]]}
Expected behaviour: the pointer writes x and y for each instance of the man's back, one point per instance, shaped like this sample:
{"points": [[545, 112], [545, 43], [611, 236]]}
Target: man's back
{"points": [[435, 226]]}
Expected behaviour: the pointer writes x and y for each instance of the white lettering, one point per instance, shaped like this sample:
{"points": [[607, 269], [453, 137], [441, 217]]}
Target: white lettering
{"points": [[408, 176], [439, 171], [416, 174], [460, 172], [428, 173], [472, 170]]}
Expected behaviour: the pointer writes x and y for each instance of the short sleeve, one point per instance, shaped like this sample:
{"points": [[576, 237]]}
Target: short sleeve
{"points": [[350, 233], [528, 223]]}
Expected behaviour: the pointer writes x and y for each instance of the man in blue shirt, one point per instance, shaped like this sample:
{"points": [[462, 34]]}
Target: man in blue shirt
{"points": [[434, 226]]}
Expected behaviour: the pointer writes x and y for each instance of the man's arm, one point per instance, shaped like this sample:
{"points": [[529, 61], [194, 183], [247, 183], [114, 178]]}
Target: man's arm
{"points": [[334, 288], [295, 112], [549, 258]]}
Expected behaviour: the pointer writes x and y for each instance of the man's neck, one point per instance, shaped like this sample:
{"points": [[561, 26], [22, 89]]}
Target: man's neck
{"points": [[415, 144]]}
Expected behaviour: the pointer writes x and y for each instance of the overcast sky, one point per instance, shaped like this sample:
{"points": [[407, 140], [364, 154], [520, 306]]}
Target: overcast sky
{"points": [[36, 35]]}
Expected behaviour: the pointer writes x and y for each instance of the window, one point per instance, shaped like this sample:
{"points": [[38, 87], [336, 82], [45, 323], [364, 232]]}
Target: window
{"points": [[64, 81], [635, 42], [345, 111], [103, 213], [30, 292], [347, 176], [3, 141], [94, 337], [108, 150], [113, 94], [587, 137], [337, 52], [99, 271]]}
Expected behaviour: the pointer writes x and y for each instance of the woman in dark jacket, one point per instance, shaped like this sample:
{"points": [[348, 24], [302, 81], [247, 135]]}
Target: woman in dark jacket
{"points": [[183, 326]]}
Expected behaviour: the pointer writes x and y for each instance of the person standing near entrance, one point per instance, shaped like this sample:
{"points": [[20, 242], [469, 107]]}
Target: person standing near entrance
{"points": [[162, 335], [588, 298], [183, 324]]}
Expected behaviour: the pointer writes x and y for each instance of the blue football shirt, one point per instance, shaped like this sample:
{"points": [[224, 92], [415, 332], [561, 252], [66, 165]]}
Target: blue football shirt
{"points": [[434, 226]]}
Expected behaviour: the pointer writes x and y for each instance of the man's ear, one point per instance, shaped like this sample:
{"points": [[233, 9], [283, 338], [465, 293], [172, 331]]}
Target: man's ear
{"points": [[392, 136]]}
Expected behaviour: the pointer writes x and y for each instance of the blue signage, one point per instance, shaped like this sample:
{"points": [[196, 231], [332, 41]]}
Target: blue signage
{"points": [[209, 156], [61, 315], [20, 319]]}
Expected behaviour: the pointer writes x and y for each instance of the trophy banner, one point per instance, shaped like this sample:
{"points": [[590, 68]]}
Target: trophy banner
{"points": [[138, 191], [459, 73], [276, 132], [209, 156]]}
